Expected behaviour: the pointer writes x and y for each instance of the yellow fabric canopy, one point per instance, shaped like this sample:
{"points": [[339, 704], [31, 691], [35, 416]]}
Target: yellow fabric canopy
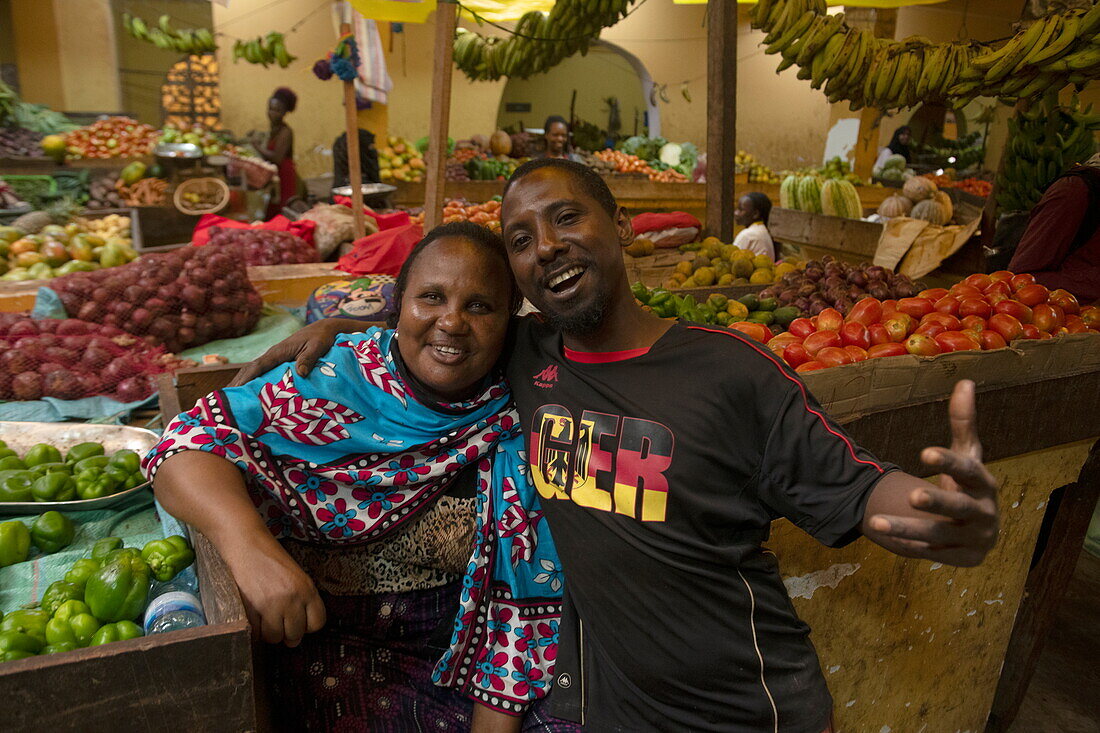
{"points": [[850, 3], [397, 11]]}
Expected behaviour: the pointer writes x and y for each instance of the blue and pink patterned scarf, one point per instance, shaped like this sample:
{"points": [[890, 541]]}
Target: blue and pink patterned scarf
{"points": [[348, 455]]}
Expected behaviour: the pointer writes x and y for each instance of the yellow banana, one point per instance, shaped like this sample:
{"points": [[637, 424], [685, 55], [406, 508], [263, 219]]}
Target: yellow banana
{"points": [[825, 59], [818, 39], [1022, 44]]}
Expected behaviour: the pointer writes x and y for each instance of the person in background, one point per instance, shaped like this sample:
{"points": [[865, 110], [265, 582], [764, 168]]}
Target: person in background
{"points": [[368, 159], [752, 213], [899, 145], [1061, 245], [279, 148], [556, 132]]}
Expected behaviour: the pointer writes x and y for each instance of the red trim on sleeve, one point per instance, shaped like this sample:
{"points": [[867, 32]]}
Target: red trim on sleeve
{"points": [[802, 388], [602, 357]]}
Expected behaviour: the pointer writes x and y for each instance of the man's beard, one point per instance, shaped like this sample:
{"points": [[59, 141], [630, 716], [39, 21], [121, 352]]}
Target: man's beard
{"points": [[583, 321]]}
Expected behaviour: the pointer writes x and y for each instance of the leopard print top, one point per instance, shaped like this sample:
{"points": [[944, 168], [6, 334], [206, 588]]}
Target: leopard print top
{"points": [[431, 552]]}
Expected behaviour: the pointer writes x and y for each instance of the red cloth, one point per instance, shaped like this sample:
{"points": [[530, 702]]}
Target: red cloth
{"points": [[201, 235], [384, 221], [649, 222], [381, 253], [1044, 248]]}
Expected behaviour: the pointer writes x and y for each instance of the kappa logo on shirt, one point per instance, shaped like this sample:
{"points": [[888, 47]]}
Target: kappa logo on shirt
{"points": [[547, 377]]}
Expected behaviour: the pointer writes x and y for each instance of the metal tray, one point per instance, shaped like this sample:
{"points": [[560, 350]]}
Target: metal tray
{"points": [[369, 189], [20, 436]]}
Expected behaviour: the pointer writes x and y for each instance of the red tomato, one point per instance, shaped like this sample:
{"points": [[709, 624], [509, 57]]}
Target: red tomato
{"points": [[829, 320], [1065, 300], [975, 307], [948, 304], [758, 331], [1032, 295], [916, 307], [815, 342], [1090, 314], [888, 306], [973, 323], [999, 287], [1043, 335], [1000, 276], [961, 291], [979, 280], [857, 353], [1048, 317], [855, 334], [948, 321], [796, 355], [996, 297], [991, 340], [957, 341], [865, 312], [878, 334], [1030, 331], [1014, 308], [880, 350], [833, 356], [932, 328], [810, 366], [781, 341], [1009, 327], [933, 294], [1074, 324], [899, 327], [801, 327], [1019, 281], [922, 345]]}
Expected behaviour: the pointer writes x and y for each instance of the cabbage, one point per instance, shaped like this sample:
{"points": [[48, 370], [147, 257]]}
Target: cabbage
{"points": [[689, 157], [644, 147], [670, 154]]}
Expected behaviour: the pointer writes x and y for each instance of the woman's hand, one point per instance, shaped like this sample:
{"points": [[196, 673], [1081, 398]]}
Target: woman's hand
{"points": [[303, 347]]}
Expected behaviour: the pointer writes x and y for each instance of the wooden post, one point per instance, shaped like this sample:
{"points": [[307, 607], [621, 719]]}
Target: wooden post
{"points": [[721, 117], [355, 173], [446, 18]]}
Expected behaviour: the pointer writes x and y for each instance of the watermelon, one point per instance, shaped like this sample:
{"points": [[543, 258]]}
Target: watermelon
{"points": [[788, 192], [839, 198], [809, 194]]}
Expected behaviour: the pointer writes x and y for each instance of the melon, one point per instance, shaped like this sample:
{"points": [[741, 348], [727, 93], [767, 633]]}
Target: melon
{"points": [[895, 162], [896, 205], [931, 211], [500, 143], [809, 194], [788, 192], [482, 141], [840, 198], [918, 188], [944, 200]]}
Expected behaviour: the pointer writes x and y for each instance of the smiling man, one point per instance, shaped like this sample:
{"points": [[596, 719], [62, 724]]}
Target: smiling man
{"points": [[662, 452]]}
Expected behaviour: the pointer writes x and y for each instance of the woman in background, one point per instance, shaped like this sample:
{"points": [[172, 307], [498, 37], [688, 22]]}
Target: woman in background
{"points": [[752, 212], [899, 145], [556, 132], [279, 148]]}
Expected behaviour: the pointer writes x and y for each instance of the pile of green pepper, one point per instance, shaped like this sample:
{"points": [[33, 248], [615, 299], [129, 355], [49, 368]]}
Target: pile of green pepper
{"points": [[97, 602], [85, 472]]}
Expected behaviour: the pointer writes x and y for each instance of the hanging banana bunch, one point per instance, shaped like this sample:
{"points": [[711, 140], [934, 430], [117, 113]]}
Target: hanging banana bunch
{"points": [[542, 40], [164, 36], [852, 64], [1044, 140], [270, 49]]}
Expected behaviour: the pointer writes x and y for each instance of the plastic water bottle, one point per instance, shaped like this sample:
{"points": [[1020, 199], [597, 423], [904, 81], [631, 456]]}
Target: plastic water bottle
{"points": [[174, 607]]}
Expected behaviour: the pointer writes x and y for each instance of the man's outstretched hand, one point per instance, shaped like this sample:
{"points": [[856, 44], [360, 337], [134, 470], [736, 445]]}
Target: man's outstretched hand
{"points": [[304, 348], [957, 523]]}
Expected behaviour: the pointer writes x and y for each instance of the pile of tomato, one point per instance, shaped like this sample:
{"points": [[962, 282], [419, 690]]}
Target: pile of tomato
{"points": [[486, 214], [112, 137], [981, 313]]}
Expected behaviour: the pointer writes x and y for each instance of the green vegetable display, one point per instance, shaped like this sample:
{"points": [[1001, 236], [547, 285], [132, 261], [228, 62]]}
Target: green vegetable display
{"points": [[77, 630], [82, 570], [42, 453], [52, 531], [15, 543], [167, 557], [30, 621], [12, 463], [54, 487], [119, 631], [83, 450], [94, 484], [118, 591], [17, 645], [59, 592], [104, 545], [86, 472], [16, 486], [58, 648]]}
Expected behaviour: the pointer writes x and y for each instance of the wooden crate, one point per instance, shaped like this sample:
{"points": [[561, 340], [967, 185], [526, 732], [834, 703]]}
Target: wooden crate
{"points": [[847, 239]]}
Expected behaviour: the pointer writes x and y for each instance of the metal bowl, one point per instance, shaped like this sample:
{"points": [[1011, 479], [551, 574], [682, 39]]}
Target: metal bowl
{"points": [[369, 189], [176, 151]]}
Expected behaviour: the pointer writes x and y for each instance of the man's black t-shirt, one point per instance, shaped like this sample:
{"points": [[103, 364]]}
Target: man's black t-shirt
{"points": [[660, 472]]}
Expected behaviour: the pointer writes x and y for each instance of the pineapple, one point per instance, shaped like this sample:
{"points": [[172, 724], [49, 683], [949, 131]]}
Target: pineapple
{"points": [[58, 212]]}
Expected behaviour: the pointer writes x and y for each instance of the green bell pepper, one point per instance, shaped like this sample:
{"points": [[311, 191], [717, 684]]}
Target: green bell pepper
{"points": [[16, 486], [15, 543], [94, 484], [12, 463], [46, 468], [77, 630], [89, 463], [29, 621], [104, 545], [118, 474], [52, 531], [54, 487], [63, 646], [119, 590], [83, 450], [120, 631], [167, 557], [42, 453], [137, 478], [71, 608], [126, 459], [122, 552], [641, 292], [81, 570], [17, 645], [59, 592]]}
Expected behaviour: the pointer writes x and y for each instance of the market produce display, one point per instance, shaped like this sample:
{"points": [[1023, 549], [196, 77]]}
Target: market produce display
{"points": [[750, 312], [853, 64], [399, 160], [164, 36], [265, 247], [212, 142], [112, 137], [180, 299], [270, 49], [974, 186], [85, 472], [98, 600], [69, 359], [10, 199], [919, 198], [15, 113], [30, 250], [17, 142], [143, 192], [829, 196], [1044, 140], [717, 263]]}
